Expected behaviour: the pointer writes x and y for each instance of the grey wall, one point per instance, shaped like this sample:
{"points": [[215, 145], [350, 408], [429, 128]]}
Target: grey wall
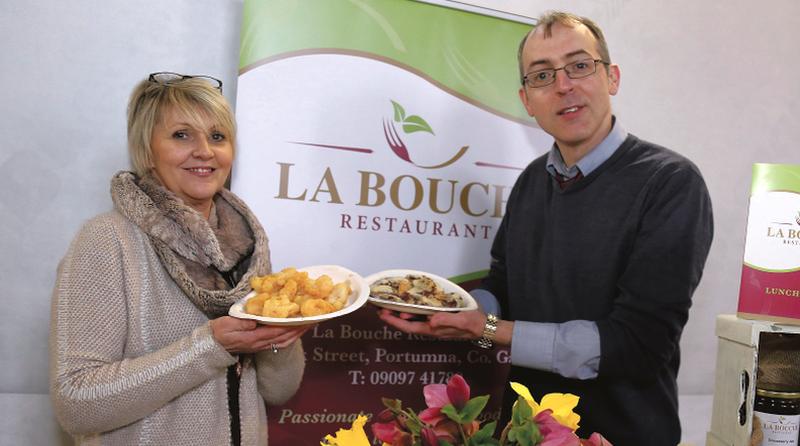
{"points": [[715, 81]]}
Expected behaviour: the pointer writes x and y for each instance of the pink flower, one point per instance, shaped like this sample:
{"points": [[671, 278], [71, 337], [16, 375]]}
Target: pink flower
{"points": [[455, 392], [596, 440], [386, 432], [429, 437], [458, 391], [448, 430], [391, 430], [432, 415], [554, 433]]}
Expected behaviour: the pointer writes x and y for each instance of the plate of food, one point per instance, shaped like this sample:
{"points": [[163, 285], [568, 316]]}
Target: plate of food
{"points": [[417, 292], [300, 296]]}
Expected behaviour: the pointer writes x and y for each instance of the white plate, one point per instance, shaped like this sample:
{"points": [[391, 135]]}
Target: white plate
{"points": [[358, 297], [446, 285]]}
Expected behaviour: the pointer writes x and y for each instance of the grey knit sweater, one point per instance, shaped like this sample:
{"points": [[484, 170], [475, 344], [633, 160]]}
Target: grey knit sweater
{"points": [[133, 361]]}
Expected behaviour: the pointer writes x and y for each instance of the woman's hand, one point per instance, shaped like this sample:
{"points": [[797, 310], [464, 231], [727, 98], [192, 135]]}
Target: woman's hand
{"points": [[462, 325], [248, 336]]}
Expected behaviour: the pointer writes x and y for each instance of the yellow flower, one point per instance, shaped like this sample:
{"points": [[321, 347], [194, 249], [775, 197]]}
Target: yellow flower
{"points": [[355, 436], [561, 404]]}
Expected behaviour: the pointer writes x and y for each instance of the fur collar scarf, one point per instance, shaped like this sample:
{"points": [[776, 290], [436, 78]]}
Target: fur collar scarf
{"points": [[197, 253]]}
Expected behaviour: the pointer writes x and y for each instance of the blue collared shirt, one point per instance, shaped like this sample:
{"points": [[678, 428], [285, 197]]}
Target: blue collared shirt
{"points": [[590, 162]]}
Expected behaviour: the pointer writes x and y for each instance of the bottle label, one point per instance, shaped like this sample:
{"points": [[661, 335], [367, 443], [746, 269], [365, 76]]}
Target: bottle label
{"points": [[779, 430]]}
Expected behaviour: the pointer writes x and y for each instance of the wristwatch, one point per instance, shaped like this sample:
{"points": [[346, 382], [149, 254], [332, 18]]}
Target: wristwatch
{"points": [[489, 330]]}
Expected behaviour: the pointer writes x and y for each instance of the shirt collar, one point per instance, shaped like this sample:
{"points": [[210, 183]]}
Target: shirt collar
{"points": [[595, 157]]}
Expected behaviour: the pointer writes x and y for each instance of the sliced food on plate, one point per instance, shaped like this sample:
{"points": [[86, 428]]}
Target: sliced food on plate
{"points": [[416, 289], [417, 292]]}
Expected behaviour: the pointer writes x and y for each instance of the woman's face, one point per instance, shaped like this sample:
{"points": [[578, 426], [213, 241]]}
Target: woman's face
{"points": [[191, 162]]}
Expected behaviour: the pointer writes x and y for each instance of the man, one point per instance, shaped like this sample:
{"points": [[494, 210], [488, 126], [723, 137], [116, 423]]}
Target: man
{"points": [[600, 250]]}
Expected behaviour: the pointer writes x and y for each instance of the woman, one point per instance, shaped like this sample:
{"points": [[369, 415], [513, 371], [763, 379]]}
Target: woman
{"points": [[142, 350]]}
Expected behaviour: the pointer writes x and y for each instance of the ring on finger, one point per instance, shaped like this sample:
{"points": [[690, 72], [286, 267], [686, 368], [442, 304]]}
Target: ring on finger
{"points": [[274, 348]]}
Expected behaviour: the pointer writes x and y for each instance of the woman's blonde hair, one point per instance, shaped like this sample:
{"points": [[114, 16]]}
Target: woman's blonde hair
{"points": [[195, 98]]}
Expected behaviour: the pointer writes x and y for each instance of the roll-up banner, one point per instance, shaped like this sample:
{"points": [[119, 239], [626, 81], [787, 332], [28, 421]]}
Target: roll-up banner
{"points": [[376, 135]]}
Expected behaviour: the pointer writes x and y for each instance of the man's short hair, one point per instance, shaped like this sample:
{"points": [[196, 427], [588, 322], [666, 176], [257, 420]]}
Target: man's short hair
{"points": [[548, 19]]}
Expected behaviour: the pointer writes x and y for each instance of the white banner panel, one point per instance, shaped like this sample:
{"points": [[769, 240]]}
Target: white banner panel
{"points": [[375, 135], [337, 176]]}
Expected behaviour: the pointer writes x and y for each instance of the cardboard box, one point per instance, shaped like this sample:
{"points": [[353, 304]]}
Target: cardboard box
{"points": [[736, 377], [770, 286]]}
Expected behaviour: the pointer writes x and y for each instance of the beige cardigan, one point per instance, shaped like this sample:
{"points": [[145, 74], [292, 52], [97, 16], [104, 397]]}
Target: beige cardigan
{"points": [[133, 361]]}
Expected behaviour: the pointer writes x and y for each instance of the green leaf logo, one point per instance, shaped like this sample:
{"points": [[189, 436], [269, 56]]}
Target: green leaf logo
{"points": [[411, 123], [399, 112]]}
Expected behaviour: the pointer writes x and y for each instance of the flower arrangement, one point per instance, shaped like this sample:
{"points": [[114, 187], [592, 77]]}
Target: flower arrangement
{"points": [[451, 420]]}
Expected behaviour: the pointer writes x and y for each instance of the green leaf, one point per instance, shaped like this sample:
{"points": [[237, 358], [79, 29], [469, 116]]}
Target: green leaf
{"points": [[484, 437], [473, 408], [521, 411], [483, 442], [413, 423], [392, 403], [414, 427], [415, 123], [452, 413], [487, 430], [524, 430], [399, 113]]}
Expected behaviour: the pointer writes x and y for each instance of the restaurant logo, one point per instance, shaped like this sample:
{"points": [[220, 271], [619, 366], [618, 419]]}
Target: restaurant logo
{"points": [[411, 124], [785, 230], [404, 203]]}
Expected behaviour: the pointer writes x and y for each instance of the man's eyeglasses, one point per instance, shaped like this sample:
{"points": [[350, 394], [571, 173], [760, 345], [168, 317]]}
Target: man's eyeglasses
{"points": [[574, 70], [166, 78]]}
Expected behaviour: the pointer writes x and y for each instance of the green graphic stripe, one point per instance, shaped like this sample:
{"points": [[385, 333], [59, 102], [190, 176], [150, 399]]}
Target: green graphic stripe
{"points": [[775, 177], [767, 270], [471, 54], [469, 276]]}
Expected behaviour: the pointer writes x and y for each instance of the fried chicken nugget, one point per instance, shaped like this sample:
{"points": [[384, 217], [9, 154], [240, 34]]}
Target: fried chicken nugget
{"points": [[263, 284], [255, 305], [338, 296], [320, 287], [285, 275], [280, 308], [289, 290], [291, 293], [301, 298], [255, 282], [315, 307]]}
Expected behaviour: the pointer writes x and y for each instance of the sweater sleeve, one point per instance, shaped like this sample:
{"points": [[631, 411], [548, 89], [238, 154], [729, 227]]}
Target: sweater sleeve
{"points": [[280, 374], [642, 333], [95, 385]]}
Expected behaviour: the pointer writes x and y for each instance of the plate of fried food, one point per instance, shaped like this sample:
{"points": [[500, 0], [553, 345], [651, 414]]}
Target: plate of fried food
{"points": [[417, 292], [300, 296]]}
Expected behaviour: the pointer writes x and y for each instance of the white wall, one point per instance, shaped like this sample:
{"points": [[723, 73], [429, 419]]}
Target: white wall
{"points": [[66, 69], [715, 81]]}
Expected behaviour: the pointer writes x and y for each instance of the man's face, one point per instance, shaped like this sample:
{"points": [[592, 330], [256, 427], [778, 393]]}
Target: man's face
{"points": [[576, 112]]}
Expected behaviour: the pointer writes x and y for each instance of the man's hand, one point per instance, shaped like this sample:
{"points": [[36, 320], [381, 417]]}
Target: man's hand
{"points": [[462, 325]]}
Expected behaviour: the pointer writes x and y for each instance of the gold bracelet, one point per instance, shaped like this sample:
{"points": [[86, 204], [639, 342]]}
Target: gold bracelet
{"points": [[489, 330]]}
